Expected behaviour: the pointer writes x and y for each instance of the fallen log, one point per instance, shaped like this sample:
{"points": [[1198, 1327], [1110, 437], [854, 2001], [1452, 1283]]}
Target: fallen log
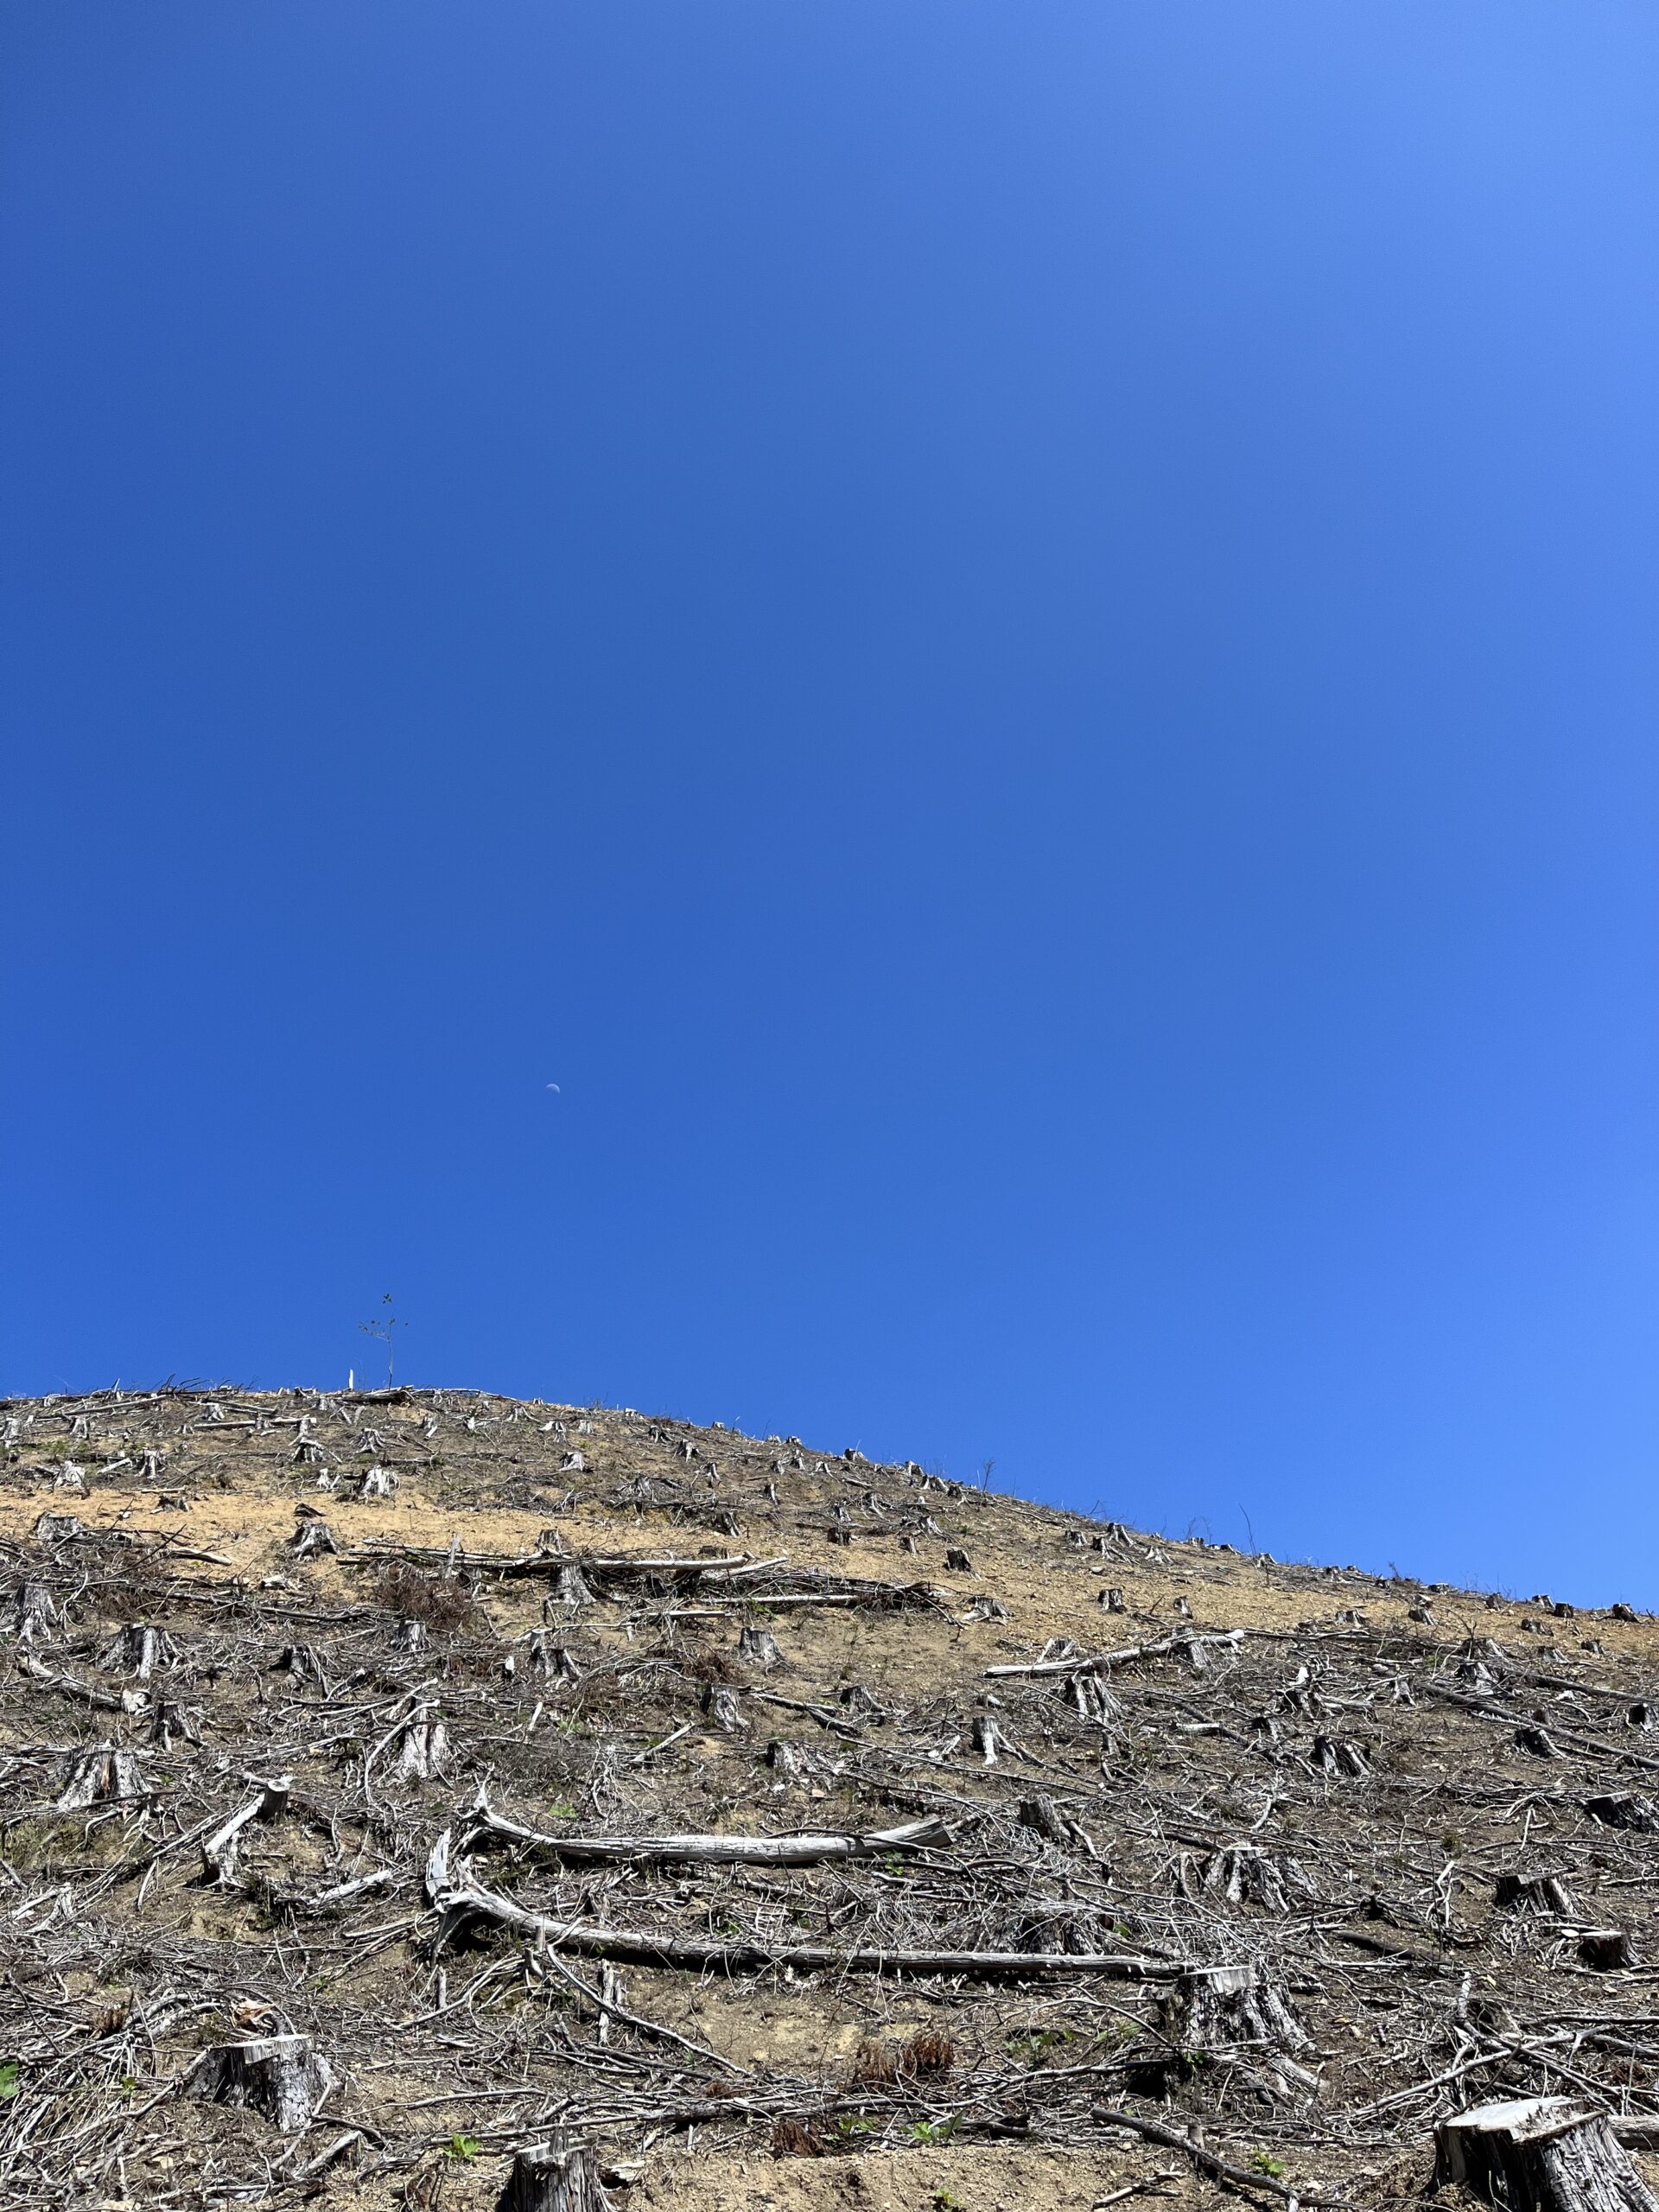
{"points": [[798, 1850], [464, 1902], [1206, 2160], [1087, 1662]]}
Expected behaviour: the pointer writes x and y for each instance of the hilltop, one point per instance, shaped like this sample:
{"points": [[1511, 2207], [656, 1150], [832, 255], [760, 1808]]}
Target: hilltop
{"points": [[393, 1780]]}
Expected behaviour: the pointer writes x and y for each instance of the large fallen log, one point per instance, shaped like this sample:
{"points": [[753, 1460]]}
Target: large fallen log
{"points": [[1087, 1662], [1540, 2154], [798, 1850], [464, 1903]]}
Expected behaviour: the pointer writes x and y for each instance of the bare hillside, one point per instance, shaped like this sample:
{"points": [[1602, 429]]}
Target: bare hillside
{"points": [[394, 1782]]}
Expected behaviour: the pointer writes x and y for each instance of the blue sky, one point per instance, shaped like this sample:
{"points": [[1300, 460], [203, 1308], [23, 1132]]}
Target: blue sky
{"points": [[1016, 642]]}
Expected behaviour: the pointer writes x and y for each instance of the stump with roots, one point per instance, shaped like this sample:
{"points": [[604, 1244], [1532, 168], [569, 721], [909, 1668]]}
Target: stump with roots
{"points": [[544, 2179], [1540, 2154], [35, 1613], [281, 2076], [312, 1539]]}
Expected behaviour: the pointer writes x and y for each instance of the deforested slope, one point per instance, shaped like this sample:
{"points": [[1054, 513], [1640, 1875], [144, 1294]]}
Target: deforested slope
{"points": [[398, 1785]]}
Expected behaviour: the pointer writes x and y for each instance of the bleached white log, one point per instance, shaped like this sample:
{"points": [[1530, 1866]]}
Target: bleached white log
{"points": [[805, 1849]]}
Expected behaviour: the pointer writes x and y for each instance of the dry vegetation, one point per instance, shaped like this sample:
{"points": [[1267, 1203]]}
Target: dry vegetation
{"points": [[391, 1782]]}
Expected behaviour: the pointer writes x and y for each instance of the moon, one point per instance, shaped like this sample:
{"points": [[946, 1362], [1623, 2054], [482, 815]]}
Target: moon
{"points": [[552, 1086]]}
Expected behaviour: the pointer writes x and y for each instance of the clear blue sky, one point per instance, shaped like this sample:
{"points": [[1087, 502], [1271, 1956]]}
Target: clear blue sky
{"points": [[1017, 641]]}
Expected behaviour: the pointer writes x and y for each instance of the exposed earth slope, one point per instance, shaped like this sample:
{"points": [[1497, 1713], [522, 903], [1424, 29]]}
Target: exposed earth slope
{"points": [[392, 1781]]}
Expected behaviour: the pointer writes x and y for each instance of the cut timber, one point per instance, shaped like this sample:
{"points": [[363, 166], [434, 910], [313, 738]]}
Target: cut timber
{"points": [[281, 2076], [800, 1850], [546, 2180], [1540, 2154]]}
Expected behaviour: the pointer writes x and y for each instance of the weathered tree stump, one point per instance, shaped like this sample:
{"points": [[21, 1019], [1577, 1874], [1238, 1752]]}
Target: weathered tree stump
{"points": [[281, 2076], [1623, 1810], [106, 1775], [424, 1753], [1340, 1758], [988, 1738], [1090, 1699], [138, 1651], [543, 2179], [220, 1851], [1546, 1893], [35, 1613], [377, 1482], [1213, 2008], [957, 1561], [569, 1589], [1540, 2154], [54, 1528], [312, 1539], [1114, 1600], [1241, 1874], [758, 1647], [1607, 1949]]}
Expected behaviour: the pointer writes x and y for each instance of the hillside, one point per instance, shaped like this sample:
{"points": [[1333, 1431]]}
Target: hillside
{"points": [[794, 1831]]}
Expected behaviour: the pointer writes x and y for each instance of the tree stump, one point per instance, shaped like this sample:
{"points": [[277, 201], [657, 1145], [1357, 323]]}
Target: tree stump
{"points": [[569, 1589], [957, 1561], [281, 2076], [106, 1775], [543, 2179], [35, 1613], [1546, 1893], [424, 1750], [723, 1709], [1623, 1810], [313, 1539], [1607, 1949], [138, 1651], [1215, 2008], [1540, 2154], [1243, 1874], [759, 1648]]}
